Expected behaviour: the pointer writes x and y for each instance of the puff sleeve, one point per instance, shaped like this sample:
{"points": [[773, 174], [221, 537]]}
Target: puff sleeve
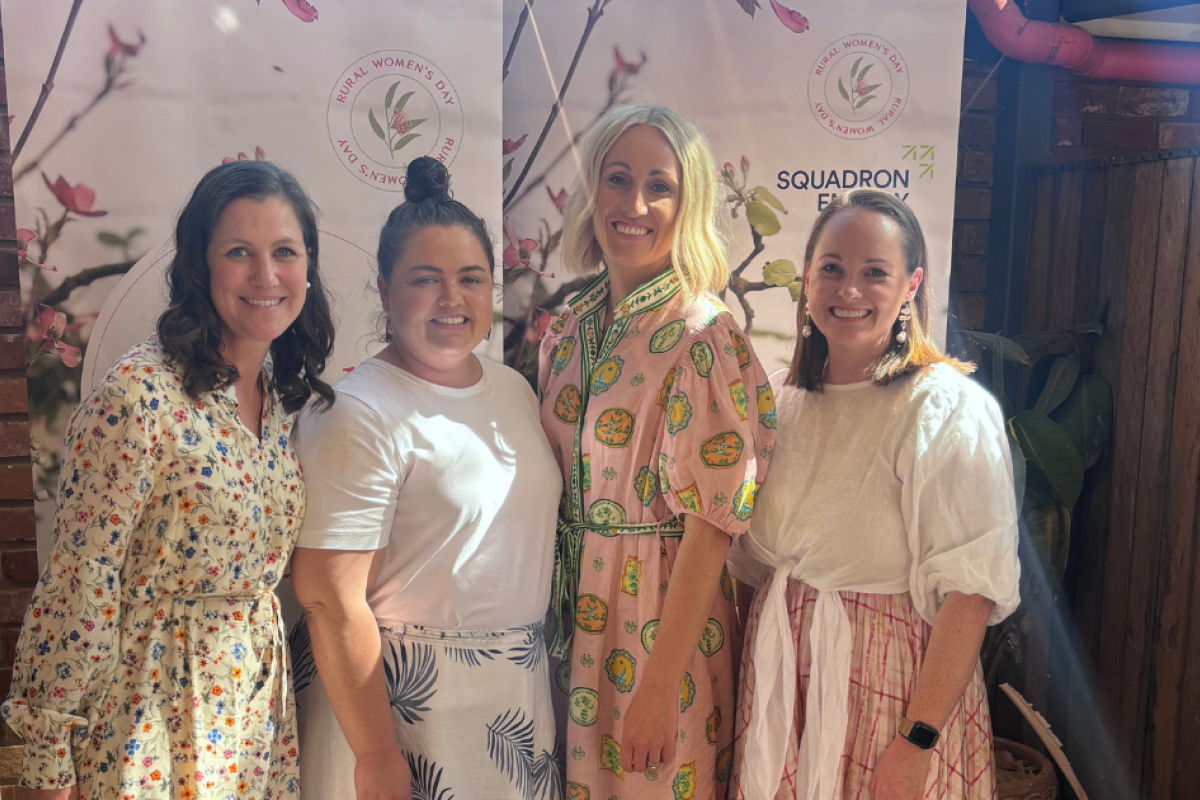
{"points": [[957, 501], [719, 428], [67, 653]]}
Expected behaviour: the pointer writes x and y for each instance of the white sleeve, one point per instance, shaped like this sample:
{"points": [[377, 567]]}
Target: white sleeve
{"points": [[352, 474], [958, 504]]}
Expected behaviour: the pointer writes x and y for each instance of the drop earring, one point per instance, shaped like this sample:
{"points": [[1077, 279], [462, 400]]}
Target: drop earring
{"points": [[905, 316], [806, 329]]}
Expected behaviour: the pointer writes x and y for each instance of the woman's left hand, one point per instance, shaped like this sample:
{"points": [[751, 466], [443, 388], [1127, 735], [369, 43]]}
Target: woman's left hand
{"points": [[648, 735], [900, 772]]}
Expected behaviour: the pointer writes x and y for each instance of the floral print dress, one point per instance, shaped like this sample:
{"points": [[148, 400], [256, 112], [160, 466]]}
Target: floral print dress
{"points": [[665, 413], [152, 662]]}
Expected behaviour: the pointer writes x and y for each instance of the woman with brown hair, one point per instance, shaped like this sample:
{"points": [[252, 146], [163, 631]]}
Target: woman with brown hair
{"points": [[886, 539]]}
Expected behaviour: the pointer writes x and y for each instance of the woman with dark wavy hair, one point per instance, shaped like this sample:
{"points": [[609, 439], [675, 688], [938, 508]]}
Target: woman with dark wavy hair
{"points": [[152, 660]]}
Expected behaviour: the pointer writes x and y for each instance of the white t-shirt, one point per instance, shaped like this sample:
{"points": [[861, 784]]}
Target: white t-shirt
{"points": [[456, 488]]}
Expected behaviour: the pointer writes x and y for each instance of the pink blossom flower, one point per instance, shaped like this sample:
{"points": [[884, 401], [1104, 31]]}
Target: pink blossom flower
{"points": [[117, 47], [559, 199], [519, 251], [860, 88], [624, 67], [50, 327], [745, 164], [539, 321], [791, 20], [259, 155], [512, 146], [301, 9], [727, 172], [24, 237], [401, 122], [77, 199]]}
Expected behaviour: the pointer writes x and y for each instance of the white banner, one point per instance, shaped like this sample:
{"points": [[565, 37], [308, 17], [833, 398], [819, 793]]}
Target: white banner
{"points": [[798, 104], [150, 95]]}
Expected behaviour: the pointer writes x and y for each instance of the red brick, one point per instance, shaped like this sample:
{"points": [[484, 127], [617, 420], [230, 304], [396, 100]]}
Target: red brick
{"points": [[1150, 101], [977, 129], [12, 350], [1178, 134], [1083, 98], [17, 525], [1120, 133], [967, 310], [973, 204], [10, 270], [16, 482], [8, 222], [8, 644], [10, 309], [14, 439], [976, 166], [6, 180], [14, 397], [13, 603], [20, 565], [968, 274], [971, 238], [1068, 132], [986, 101]]}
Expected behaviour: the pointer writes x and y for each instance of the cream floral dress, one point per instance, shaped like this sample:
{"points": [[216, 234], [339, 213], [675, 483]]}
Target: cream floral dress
{"points": [[152, 662]]}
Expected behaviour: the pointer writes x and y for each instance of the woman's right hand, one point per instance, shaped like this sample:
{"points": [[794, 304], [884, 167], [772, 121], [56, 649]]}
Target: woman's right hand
{"points": [[70, 793], [380, 776]]}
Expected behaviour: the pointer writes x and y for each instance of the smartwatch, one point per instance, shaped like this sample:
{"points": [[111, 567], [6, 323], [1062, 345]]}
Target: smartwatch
{"points": [[922, 735]]}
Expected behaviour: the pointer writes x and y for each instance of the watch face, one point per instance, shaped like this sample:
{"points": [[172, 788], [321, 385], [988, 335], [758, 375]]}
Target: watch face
{"points": [[922, 735]]}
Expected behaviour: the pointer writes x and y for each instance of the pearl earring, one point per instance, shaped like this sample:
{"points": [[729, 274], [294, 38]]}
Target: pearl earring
{"points": [[905, 316], [806, 329], [308, 284]]}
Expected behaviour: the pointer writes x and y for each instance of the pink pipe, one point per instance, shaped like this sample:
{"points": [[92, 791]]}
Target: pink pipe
{"points": [[1076, 50]]}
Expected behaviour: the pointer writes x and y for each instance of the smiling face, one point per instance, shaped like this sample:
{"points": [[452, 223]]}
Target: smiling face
{"points": [[257, 273], [439, 301], [856, 284], [637, 201]]}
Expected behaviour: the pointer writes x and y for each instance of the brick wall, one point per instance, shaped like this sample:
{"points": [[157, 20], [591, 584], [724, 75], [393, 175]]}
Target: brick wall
{"points": [[18, 548], [1101, 119]]}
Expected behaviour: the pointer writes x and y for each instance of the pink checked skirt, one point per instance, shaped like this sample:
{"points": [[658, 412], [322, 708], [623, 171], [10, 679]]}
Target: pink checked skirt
{"points": [[889, 643]]}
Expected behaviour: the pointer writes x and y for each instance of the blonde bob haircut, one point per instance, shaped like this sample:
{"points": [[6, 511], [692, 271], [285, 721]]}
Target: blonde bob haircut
{"points": [[698, 251], [899, 359]]}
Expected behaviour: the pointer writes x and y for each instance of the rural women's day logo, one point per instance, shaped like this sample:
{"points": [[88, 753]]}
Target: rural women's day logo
{"points": [[388, 108], [858, 86]]}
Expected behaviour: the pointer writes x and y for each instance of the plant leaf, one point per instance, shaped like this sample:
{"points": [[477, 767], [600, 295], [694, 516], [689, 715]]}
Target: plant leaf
{"points": [[864, 101], [872, 87], [375, 126], [865, 70], [404, 140], [507, 169], [842, 89], [854, 69], [1041, 340], [762, 218], [1092, 327], [749, 6], [1008, 348], [1049, 529], [111, 239], [1064, 371], [1087, 416], [390, 96], [780, 272], [761, 193], [412, 123], [1055, 466], [1019, 472], [404, 98], [796, 288]]}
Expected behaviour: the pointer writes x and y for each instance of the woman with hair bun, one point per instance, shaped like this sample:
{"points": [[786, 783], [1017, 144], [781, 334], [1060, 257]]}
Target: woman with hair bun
{"points": [[425, 559]]}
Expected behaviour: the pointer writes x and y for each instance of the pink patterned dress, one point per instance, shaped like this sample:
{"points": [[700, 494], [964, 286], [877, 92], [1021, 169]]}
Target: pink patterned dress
{"points": [[667, 412]]}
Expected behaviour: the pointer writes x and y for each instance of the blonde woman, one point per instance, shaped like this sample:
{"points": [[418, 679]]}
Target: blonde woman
{"points": [[662, 422], [888, 537]]}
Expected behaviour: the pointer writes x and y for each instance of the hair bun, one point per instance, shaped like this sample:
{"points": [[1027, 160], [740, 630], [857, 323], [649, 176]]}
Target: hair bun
{"points": [[427, 179]]}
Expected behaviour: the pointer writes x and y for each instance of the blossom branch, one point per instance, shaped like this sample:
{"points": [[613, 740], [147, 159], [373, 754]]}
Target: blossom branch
{"points": [[49, 84], [594, 14], [63, 291], [512, 46]]}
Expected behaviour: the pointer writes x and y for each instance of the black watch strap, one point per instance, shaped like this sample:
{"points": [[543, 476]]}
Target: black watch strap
{"points": [[922, 735]]}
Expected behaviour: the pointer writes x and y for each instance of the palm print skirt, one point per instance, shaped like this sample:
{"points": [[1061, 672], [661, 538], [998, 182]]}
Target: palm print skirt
{"points": [[471, 710]]}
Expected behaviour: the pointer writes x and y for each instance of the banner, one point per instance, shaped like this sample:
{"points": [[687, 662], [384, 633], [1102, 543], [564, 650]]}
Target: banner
{"points": [[799, 100], [150, 95]]}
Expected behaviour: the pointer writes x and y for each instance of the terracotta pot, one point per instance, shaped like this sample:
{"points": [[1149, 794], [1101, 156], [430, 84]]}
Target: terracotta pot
{"points": [[1042, 785]]}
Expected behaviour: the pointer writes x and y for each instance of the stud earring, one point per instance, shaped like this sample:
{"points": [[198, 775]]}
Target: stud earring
{"points": [[905, 316], [308, 284], [806, 329]]}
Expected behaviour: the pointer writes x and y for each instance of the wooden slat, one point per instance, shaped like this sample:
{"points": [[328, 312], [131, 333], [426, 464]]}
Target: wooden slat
{"points": [[1064, 253], [1130, 396], [1155, 451], [1177, 700], [1037, 270], [1091, 242]]}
